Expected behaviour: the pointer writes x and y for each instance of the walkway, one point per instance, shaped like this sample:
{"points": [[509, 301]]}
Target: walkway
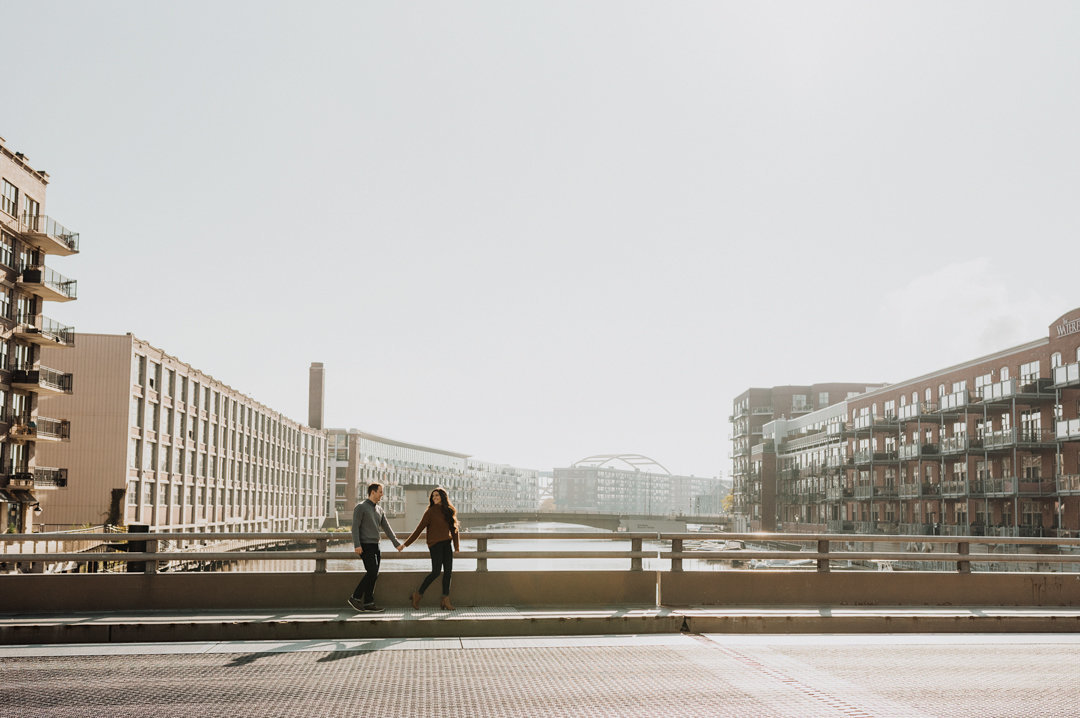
{"points": [[629, 676]]}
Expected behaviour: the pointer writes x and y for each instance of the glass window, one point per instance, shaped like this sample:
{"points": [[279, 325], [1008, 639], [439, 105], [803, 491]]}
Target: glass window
{"points": [[9, 200], [7, 249]]}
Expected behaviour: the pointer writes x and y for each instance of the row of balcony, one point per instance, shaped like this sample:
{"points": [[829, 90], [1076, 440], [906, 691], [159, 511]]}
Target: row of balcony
{"points": [[936, 529], [959, 488]]}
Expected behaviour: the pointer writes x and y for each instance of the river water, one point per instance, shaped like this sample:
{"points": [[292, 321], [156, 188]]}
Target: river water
{"points": [[392, 560]]}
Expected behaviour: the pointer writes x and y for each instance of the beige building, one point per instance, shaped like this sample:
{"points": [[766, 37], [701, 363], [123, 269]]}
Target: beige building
{"points": [[29, 240], [162, 443]]}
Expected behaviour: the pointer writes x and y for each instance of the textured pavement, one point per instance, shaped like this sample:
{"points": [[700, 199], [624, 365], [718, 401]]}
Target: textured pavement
{"points": [[656, 675]]}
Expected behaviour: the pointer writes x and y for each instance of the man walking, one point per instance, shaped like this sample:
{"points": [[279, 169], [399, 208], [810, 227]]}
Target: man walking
{"points": [[367, 520]]}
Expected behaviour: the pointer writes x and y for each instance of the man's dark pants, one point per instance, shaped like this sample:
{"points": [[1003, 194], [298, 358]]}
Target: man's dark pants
{"points": [[372, 557]]}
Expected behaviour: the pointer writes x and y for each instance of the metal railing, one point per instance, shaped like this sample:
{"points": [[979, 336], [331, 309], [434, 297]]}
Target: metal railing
{"points": [[955, 550], [43, 376], [40, 274], [42, 224], [48, 328]]}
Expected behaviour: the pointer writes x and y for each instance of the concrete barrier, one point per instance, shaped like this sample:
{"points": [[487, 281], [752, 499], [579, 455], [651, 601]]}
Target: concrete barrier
{"points": [[44, 593], [867, 588]]}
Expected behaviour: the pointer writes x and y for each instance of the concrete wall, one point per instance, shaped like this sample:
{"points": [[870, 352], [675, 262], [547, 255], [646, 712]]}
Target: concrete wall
{"points": [[213, 591], [868, 588], [223, 591]]}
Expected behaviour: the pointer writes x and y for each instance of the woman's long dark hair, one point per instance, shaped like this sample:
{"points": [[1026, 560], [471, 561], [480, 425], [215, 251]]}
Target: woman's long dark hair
{"points": [[447, 508]]}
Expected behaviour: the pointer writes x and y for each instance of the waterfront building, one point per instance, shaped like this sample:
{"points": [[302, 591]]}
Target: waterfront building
{"points": [[502, 487], [357, 458], [161, 443], [753, 491], [29, 240], [632, 484], [988, 447]]}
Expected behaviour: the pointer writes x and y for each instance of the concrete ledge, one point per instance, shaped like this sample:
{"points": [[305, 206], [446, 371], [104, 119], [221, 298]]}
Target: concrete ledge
{"points": [[38, 593], [867, 588]]}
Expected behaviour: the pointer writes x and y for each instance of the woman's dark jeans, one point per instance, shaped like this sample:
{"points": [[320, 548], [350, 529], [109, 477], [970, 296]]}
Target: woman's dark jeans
{"points": [[442, 560]]}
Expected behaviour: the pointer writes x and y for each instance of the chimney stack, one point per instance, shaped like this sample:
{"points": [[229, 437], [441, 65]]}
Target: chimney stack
{"points": [[316, 392]]}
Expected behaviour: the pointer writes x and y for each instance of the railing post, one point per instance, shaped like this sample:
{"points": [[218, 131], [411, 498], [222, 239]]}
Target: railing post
{"points": [[635, 562], [964, 549], [676, 547], [320, 563], [823, 563], [137, 547], [481, 547], [151, 547]]}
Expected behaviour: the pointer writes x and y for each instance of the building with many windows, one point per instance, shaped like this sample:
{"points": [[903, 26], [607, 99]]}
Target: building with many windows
{"points": [[357, 458], [635, 485], [989, 447], [162, 443], [754, 500], [29, 240]]}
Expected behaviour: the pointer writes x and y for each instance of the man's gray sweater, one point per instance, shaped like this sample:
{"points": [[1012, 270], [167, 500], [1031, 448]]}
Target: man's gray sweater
{"points": [[367, 519]]}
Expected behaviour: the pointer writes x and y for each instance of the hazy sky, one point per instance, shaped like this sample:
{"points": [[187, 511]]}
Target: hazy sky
{"points": [[537, 231]]}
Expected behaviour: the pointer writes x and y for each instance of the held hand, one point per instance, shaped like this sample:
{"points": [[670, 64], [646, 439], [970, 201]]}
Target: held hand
{"points": [[401, 547], [359, 550]]}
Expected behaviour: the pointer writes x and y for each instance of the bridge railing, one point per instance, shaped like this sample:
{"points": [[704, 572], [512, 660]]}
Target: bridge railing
{"points": [[820, 553]]}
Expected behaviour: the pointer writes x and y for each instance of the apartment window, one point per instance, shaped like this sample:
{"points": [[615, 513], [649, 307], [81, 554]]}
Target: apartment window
{"points": [[163, 493], [163, 458], [183, 388], [177, 461], [148, 456], [178, 495], [9, 201], [1055, 360], [959, 386], [206, 398], [928, 395], [195, 393], [133, 454], [155, 376], [168, 386], [7, 249], [136, 412], [1029, 372], [132, 493], [31, 207], [148, 492], [1004, 373]]}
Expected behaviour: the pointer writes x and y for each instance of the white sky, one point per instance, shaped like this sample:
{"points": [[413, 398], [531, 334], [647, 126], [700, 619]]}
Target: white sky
{"points": [[537, 231]]}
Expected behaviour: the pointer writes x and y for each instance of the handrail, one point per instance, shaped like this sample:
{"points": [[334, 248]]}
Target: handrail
{"points": [[147, 545]]}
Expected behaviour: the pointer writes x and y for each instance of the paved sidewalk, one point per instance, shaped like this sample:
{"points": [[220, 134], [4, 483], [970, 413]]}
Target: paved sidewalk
{"points": [[157, 626], [710, 675]]}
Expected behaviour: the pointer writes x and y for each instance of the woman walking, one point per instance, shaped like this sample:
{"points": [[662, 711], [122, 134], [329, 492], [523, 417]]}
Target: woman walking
{"points": [[441, 523]]}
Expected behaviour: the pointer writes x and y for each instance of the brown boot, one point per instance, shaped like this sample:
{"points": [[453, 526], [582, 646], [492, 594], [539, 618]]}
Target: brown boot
{"points": [[416, 596], [445, 604]]}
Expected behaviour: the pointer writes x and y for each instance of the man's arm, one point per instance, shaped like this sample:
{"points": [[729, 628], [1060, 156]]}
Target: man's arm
{"points": [[357, 519], [389, 532]]}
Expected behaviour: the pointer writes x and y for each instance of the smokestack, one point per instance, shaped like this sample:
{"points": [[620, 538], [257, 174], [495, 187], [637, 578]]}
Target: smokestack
{"points": [[316, 392]]}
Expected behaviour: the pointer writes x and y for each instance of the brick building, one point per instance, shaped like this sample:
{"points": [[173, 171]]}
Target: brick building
{"points": [[987, 447], [28, 238]]}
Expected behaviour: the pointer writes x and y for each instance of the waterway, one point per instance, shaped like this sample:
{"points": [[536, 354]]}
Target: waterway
{"points": [[392, 560]]}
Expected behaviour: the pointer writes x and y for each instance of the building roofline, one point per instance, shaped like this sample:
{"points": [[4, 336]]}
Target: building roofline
{"points": [[955, 367]]}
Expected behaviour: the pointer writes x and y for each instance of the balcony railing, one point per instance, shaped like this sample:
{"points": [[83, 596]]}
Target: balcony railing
{"points": [[997, 392], [761, 410], [1068, 430], [913, 412], [954, 444], [1068, 483], [44, 232], [46, 476], [953, 488], [40, 329], [27, 428], [955, 401], [1067, 375], [49, 284], [43, 378]]}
